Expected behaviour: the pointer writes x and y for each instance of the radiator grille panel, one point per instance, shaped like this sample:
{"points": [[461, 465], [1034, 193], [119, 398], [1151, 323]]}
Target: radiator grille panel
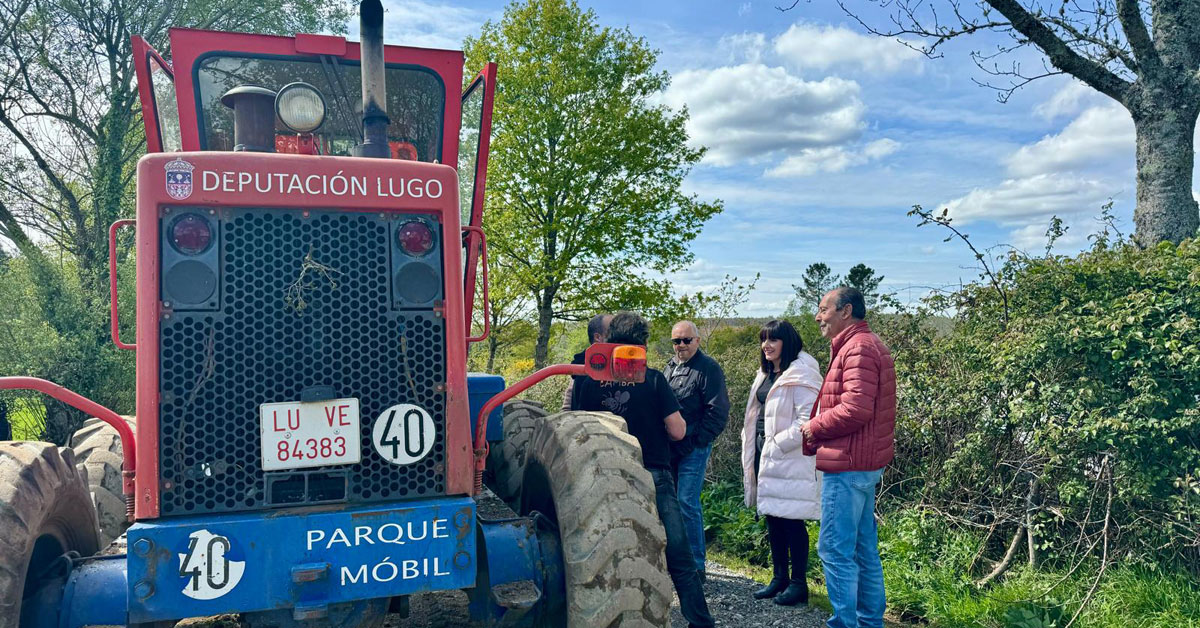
{"points": [[305, 302]]}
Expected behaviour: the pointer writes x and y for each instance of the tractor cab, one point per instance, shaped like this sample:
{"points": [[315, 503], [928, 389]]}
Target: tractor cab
{"points": [[189, 107], [303, 95]]}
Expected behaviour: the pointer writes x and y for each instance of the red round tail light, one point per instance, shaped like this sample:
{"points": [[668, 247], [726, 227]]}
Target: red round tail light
{"points": [[416, 238], [191, 234]]}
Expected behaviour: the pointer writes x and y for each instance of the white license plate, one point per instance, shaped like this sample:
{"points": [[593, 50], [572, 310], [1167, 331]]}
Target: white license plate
{"points": [[315, 434]]}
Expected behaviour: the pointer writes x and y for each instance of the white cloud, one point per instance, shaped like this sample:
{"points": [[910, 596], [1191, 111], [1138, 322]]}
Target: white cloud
{"points": [[880, 148], [1070, 174], [1027, 199], [744, 47], [831, 159], [743, 9], [1100, 136], [825, 48], [428, 25], [751, 111], [1071, 99]]}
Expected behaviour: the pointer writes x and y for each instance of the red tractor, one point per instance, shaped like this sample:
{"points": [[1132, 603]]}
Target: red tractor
{"points": [[309, 447]]}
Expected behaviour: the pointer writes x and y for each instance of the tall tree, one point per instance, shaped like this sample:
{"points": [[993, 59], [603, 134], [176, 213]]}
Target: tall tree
{"points": [[585, 172], [864, 278], [70, 122], [817, 280], [508, 310], [69, 108], [1151, 70]]}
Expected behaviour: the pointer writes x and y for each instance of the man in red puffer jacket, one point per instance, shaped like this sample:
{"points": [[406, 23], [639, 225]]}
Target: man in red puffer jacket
{"points": [[852, 433]]}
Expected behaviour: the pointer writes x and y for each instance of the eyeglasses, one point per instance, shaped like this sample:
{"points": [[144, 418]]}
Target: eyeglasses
{"points": [[682, 341]]}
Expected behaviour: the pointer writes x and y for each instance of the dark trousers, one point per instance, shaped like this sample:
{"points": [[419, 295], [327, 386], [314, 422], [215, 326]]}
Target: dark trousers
{"points": [[789, 540], [680, 563]]}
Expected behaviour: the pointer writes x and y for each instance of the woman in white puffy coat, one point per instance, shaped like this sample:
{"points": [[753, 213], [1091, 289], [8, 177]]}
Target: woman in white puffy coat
{"points": [[780, 482]]}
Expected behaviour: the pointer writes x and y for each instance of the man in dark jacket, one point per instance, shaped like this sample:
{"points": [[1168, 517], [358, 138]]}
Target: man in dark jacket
{"points": [[852, 434], [699, 384]]}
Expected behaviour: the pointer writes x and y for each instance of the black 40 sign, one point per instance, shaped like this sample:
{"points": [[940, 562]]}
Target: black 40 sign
{"points": [[404, 434], [207, 567]]}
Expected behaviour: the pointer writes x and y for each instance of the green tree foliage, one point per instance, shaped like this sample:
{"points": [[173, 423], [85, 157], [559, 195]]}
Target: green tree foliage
{"points": [[508, 315], [864, 278], [68, 102], [1068, 390], [76, 353], [817, 280], [70, 116], [584, 172]]}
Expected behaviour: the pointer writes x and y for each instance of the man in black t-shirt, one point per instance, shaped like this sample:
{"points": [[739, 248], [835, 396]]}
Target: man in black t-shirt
{"points": [[652, 414]]}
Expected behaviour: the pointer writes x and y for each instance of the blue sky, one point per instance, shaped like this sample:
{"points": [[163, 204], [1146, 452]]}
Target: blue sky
{"points": [[822, 137]]}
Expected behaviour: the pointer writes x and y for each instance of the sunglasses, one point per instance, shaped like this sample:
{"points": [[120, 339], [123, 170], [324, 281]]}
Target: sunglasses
{"points": [[682, 341]]}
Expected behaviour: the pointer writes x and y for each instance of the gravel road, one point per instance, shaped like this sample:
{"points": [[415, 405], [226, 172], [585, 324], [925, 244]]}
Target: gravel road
{"points": [[728, 595], [730, 603]]}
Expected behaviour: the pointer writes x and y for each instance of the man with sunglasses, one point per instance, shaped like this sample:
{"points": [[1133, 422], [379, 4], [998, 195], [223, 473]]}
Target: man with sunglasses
{"points": [[699, 384]]}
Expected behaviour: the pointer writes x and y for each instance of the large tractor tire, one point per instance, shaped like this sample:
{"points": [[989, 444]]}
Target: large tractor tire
{"points": [[45, 512], [98, 449], [584, 472], [506, 460]]}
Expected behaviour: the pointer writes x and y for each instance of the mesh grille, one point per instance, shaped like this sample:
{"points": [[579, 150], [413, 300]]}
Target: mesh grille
{"points": [[286, 324]]}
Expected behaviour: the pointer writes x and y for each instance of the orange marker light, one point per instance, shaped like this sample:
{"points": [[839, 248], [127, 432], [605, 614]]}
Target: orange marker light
{"points": [[629, 363]]}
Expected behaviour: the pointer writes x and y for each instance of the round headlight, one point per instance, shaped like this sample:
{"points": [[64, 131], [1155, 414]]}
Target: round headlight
{"points": [[300, 107]]}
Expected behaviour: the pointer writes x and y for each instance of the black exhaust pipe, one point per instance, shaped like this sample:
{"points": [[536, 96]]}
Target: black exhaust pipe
{"points": [[374, 87]]}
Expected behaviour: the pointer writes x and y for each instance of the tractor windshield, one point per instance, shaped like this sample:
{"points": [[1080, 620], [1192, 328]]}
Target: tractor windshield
{"points": [[416, 102]]}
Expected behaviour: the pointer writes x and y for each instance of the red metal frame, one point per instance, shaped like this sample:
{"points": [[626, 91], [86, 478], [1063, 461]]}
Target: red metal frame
{"points": [[75, 400], [481, 445], [487, 308], [188, 45], [487, 77], [597, 364], [152, 197], [112, 281], [142, 51]]}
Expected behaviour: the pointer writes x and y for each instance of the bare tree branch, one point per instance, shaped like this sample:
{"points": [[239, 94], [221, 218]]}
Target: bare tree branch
{"points": [[1061, 55], [1130, 14]]}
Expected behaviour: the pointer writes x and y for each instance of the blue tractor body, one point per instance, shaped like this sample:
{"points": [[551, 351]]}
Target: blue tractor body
{"points": [[306, 560]]}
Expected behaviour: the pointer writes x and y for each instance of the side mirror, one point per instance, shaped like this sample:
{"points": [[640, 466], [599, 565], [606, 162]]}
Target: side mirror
{"points": [[609, 362]]}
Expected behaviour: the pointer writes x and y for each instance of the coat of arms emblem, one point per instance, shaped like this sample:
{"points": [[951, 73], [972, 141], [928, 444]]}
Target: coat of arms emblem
{"points": [[179, 179]]}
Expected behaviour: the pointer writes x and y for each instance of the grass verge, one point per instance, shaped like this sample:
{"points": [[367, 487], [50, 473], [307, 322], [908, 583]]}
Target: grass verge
{"points": [[928, 580]]}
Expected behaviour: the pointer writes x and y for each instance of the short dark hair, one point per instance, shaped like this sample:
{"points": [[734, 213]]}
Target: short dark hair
{"points": [[852, 297], [596, 326], [628, 328], [793, 344]]}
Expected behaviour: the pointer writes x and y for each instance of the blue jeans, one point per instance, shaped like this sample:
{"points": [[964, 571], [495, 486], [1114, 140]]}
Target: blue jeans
{"points": [[849, 549], [689, 476]]}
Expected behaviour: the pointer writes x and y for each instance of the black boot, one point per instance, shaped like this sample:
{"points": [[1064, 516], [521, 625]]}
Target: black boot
{"points": [[796, 593], [775, 587]]}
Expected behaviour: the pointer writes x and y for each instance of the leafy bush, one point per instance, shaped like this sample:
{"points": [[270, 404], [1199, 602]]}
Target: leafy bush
{"points": [[1068, 389], [50, 327], [733, 527]]}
